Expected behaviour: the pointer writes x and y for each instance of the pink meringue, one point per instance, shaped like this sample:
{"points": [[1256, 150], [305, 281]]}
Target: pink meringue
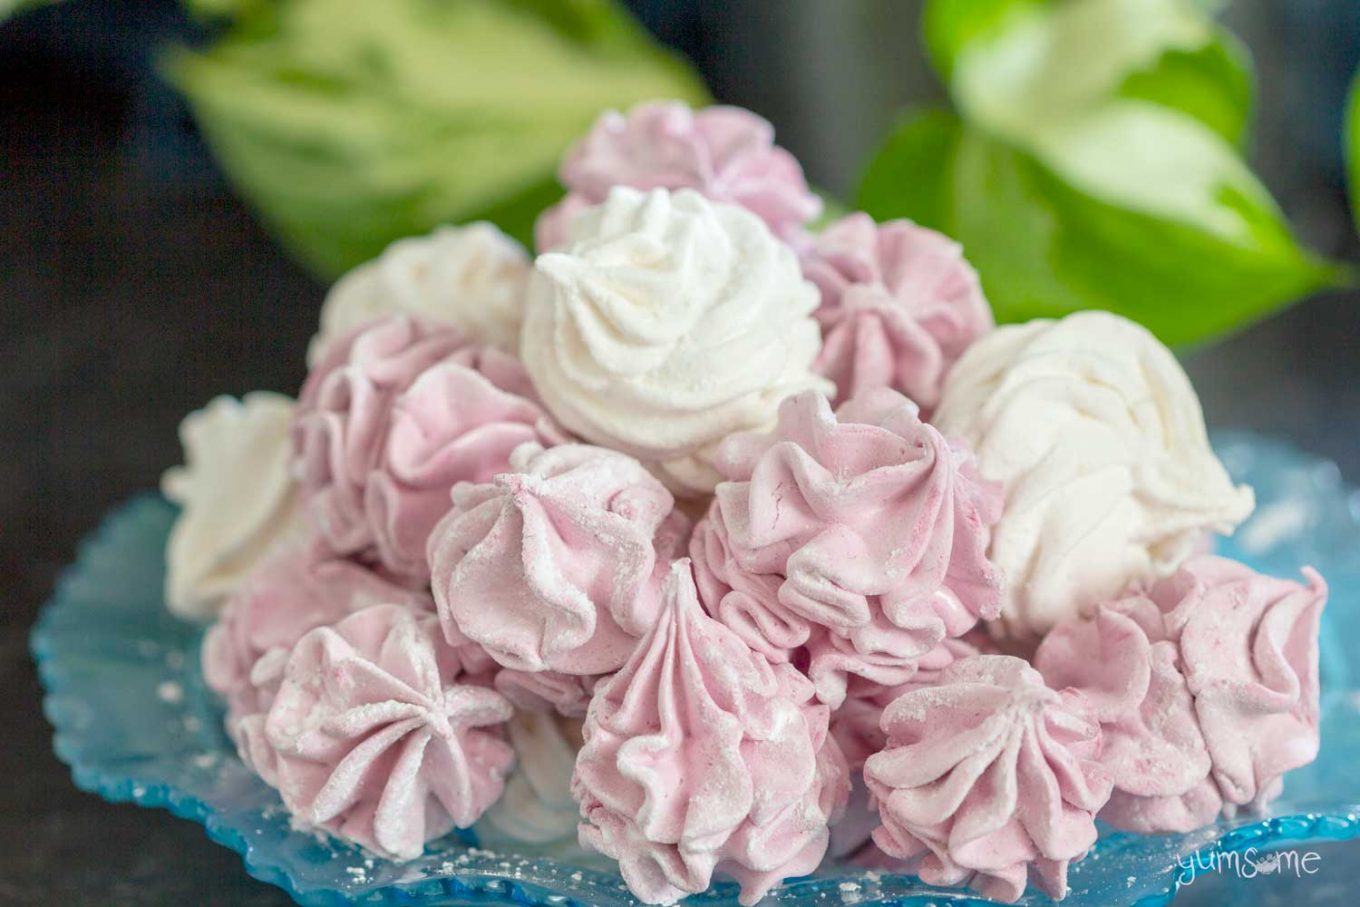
{"points": [[856, 728], [547, 691], [391, 418], [1206, 685], [861, 535], [297, 590], [552, 566], [1123, 663], [701, 757], [382, 737], [1249, 650], [726, 153], [857, 724], [899, 306], [987, 775]]}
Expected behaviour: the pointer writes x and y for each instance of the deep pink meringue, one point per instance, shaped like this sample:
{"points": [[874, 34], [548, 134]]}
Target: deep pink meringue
{"points": [[987, 776], [899, 306], [701, 757], [297, 590], [553, 565], [860, 535], [391, 418], [382, 737], [1207, 690], [726, 153], [1123, 663]]}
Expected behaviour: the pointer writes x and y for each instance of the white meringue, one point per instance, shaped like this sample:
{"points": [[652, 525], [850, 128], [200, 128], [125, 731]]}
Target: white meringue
{"points": [[472, 277], [537, 806], [237, 499], [1097, 436], [666, 324]]}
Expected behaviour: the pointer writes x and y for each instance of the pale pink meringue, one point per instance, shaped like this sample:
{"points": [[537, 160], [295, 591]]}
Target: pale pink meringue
{"points": [[856, 728], [391, 418], [857, 724], [900, 304], [702, 757], [553, 566], [726, 153], [1207, 689], [860, 535], [547, 691], [382, 737], [987, 776], [1249, 651], [1123, 663], [297, 590]]}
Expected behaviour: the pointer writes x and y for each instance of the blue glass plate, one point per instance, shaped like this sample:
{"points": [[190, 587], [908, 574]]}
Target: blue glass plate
{"points": [[135, 723]]}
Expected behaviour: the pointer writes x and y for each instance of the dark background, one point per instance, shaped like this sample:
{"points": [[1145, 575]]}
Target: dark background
{"points": [[134, 287]]}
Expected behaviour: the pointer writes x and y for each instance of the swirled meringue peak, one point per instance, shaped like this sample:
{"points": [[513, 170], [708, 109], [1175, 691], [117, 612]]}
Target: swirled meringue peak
{"points": [[1097, 436], [857, 724], [537, 807], [472, 277], [1249, 652], [668, 323], [899, 306], [857, 729], [987, 776], [552, 566], [237, 500], [1206, 685], [297, 590], [702, 757], [382, 737], [1121, 660], [859, 535], [391, 419], [726, 153]]}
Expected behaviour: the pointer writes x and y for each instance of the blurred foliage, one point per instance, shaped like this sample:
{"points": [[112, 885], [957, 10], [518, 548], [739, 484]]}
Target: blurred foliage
{"points": [[350, 123], [13, 7], [1095, 161], [1353, 147]]}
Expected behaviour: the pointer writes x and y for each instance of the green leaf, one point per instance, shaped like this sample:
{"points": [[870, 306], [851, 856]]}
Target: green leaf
{"points": [[1046, 246], [1213, 83], [912, 173], [349, 123], [14, 7], [1095, 162], [1048, 62], [1353, 147], [948, 26]]}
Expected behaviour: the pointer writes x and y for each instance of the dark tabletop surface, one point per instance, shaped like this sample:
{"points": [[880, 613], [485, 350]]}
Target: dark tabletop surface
{"points": [[128, 298]]}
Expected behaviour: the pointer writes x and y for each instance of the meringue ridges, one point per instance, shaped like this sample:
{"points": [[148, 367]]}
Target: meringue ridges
{"points": [[391, 418], [385, 735], [238, 501], [701, 757], [1097, 437], [1206, 685], [553, 565], [899, 306], [667, 323], [854, 540], [987, 776], [725, 153]]}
